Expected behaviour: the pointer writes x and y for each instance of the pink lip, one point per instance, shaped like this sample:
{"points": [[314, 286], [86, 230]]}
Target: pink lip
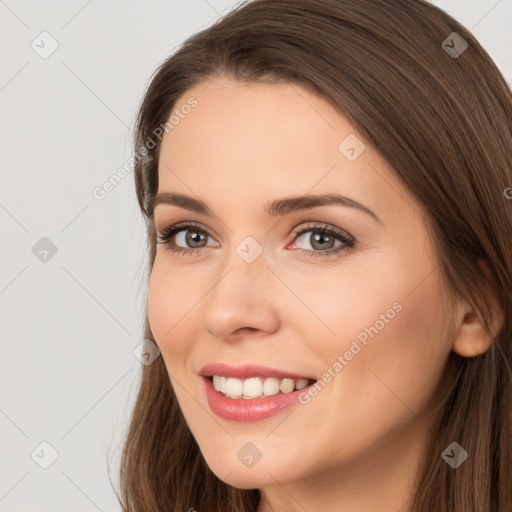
{"points": [[240, 409], [246, 371]]}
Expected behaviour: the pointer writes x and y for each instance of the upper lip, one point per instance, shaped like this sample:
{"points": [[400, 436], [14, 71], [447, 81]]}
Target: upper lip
{"points": [[248, 370]]}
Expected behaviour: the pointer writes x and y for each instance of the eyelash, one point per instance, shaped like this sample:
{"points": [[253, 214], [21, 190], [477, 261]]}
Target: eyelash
{"points": [[165, 235]]}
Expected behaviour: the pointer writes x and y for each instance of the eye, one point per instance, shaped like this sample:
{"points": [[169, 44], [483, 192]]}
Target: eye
{"points": [[186, 233], [323, 239]]}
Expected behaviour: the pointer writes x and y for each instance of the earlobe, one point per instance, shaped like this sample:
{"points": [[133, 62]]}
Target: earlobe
{"points": [[472, 339]]}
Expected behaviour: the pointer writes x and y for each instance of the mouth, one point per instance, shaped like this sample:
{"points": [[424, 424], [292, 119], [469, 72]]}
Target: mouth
{"points": [[244, 400], [250, 382], [250, 392], [256, 386]]}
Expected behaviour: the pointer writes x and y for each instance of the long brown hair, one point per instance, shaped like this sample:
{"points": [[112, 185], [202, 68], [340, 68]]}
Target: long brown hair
{"points": [[443, 120]]}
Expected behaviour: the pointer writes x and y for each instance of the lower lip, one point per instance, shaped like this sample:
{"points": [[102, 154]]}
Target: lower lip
{"points": [[251, 409]]}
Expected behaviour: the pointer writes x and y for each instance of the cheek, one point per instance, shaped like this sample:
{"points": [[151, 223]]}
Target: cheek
{"points": [[401, 363], [391, 379], [358, 302], [389, 326], [169, 312]]}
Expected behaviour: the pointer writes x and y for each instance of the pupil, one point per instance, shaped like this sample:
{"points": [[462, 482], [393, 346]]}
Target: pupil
{"points": [[320, 238], [193, 237]]}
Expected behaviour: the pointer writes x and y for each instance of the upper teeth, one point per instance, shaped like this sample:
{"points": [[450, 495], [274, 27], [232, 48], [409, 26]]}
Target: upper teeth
{"points": [[256, 387]]}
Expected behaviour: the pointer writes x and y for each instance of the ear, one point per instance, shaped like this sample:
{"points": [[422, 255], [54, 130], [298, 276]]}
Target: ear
{"points": [[472, 338]]}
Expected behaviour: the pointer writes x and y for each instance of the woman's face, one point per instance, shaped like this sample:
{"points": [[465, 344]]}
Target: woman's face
{"points": [[359, 309]]}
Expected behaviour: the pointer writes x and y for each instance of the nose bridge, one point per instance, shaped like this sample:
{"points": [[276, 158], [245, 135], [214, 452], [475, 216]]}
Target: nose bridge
{"points": [[246, 265], [242, 275], [240, 295]]}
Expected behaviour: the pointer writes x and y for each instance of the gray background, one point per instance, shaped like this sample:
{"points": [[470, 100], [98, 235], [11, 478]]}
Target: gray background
{"points": [[72, 319]]}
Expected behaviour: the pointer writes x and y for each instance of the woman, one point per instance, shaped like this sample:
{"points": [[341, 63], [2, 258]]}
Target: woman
{"points": [[326, 186]]}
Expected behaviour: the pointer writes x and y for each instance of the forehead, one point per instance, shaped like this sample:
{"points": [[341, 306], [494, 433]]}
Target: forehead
{"points": [[231, 117], [256, 141]]}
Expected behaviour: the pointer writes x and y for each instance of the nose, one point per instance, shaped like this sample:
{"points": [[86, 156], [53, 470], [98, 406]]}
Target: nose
{"points": [[243, 301]]}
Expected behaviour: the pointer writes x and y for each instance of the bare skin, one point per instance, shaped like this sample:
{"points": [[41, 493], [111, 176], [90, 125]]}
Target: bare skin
{"points": [[355, 446]]}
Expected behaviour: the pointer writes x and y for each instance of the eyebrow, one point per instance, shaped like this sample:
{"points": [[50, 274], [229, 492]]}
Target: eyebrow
{"points": [[274, 208]]}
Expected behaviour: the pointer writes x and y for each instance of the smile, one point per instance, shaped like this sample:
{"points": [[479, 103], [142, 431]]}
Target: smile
{"points": [[251, 392], [257, 387]]}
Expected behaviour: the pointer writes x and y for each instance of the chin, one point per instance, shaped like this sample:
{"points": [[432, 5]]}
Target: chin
{"points": [[246, 479], [263, 473]]}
